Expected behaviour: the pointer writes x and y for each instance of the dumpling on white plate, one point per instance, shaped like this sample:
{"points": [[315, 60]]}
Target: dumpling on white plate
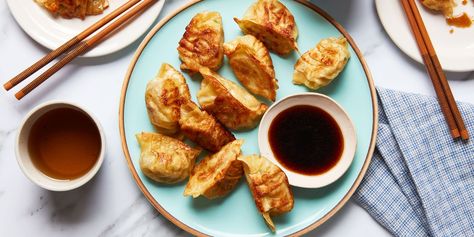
{"points": [[272, 23], [269, 186], [319, 66], [164, 96], [202, 128], [202, 43], [165, 159], [231, 104], [218, 174], [444, 6], [252, 65]]}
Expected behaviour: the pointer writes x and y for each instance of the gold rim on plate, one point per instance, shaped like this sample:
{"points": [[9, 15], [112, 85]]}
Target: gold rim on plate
{"points": [[195, 232]]}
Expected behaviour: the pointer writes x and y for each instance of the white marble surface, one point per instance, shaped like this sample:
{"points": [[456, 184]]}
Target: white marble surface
{"points": [[111, 204]]}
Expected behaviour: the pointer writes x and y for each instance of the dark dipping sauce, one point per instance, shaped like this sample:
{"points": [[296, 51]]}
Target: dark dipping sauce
{"points": [[64, 143], [306, 140]]}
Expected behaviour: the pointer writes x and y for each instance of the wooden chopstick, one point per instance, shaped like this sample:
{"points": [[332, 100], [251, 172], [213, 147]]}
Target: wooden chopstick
{"points": [[72, 42], [442, 77], [448, 104], [82, 47]]}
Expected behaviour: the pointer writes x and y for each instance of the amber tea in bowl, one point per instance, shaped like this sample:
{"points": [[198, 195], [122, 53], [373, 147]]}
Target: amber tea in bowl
{"points": [[60, 146]]}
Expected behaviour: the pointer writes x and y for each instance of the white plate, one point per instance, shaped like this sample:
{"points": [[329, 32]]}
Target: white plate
{"points": [[455, 51], [52, 32]]}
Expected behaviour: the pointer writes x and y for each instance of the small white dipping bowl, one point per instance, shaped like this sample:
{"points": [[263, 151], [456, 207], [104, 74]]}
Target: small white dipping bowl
{"points": [[24, 159], [342, 119]]}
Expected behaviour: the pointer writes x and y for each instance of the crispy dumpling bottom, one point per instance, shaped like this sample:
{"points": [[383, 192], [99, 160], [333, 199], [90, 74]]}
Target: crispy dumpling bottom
{"points": [[165, 159], [252, 65], [231, 104], [269, 186], [164, 96], [202, 43], [319, 66], [202, 128], [272, 23], [218, 174]]}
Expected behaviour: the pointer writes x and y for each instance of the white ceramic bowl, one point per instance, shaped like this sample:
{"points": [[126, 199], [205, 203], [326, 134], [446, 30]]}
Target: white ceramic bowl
{"points": [[24, 159], [340, 116]]}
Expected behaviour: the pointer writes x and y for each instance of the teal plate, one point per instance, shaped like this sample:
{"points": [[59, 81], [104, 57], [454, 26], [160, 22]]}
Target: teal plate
{"points": [[236, 214]]}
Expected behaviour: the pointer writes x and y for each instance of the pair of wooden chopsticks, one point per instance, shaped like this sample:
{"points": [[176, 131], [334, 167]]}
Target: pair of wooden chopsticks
{"points": [[445, 96], [76, 46]]}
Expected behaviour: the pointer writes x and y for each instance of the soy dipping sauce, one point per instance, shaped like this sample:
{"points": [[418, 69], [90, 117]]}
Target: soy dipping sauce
{"points": [[306, 139]]}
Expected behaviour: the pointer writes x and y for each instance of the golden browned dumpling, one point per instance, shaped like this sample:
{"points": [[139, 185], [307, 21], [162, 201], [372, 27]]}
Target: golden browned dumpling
{"points": [[216, 175], [269, 186], [165, 159], [202, 128], [444, 6], [272, 23], [74, 8], [231, 104], [164, 95], [320, 65], [252, 65], [201, 45]]}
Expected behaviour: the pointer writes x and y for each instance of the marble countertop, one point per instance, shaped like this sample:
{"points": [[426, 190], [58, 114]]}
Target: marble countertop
{"points": [[111, 204]]}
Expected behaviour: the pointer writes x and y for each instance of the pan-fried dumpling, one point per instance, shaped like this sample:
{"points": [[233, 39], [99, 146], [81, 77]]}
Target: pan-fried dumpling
{"points": [[269, 186], [231, 104], [320, 65], [272, 23], [202, 128], [216, 175], [201, 45], [444, 6], [165, 159], [164, 95], [252, 65]]}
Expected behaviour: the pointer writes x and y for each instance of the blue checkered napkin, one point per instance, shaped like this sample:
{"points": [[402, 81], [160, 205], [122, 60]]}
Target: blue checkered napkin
{"points": [[420, 181]]}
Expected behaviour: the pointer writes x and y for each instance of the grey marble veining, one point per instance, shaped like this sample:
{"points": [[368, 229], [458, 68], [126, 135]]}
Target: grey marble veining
{"points": [[141, 219], [3, 23]]}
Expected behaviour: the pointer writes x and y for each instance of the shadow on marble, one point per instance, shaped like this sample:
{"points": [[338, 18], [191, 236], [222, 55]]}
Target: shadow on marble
{"points": [[74, 207], [341, 11], [141, 219], [326, 228]]}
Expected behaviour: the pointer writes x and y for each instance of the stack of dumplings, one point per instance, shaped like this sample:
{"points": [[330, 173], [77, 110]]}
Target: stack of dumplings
{"points": [[226, 106]]}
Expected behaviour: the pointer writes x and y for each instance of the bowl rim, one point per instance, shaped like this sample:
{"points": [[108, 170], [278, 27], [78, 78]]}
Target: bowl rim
{"points": [[58, 185], [347, 129]]}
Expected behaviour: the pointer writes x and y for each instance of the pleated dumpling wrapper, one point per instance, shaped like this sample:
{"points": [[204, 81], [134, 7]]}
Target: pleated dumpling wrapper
{"points": [[320, 65], [202, 128], [252, 65], [218, 174], [269, 186], [202, 43], [164, 95], [231, 104], [272, 23], [165, 159]]}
